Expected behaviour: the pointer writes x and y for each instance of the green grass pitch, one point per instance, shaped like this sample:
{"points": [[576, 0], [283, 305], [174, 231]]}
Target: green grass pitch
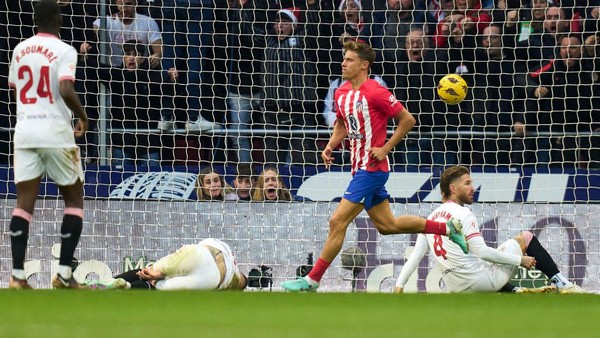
{"points": [[60, 313]]}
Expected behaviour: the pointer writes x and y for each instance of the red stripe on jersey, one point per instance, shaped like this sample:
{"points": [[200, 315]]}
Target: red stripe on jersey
{"points": [[473, 235]]}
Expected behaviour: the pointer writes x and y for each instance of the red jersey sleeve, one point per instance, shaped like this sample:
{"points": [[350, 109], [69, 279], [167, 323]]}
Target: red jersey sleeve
{"points": [[386, 102]]}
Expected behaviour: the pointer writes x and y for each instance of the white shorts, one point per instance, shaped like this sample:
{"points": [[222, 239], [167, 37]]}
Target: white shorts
{"points": [[495, 276], [62, 165], [195, 267]]}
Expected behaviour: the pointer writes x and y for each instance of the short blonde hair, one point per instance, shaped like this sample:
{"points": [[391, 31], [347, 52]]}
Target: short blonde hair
{"points": [[363, 50]]}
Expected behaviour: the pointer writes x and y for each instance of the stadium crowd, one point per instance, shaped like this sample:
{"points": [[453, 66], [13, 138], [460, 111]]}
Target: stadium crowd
{"points": [[251, 77]]}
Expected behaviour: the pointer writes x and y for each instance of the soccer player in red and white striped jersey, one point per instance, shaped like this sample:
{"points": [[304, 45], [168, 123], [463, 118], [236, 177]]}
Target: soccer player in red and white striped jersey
{"points": [[363, 110]]}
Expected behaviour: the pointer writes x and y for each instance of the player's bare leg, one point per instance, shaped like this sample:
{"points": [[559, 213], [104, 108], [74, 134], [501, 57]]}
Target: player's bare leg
{"points": [[338, 225], [27, 193], [70, 232], [532, 247], [387, 224], [345, 213]]}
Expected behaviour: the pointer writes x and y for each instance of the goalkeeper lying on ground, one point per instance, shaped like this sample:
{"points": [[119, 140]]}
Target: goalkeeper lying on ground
{"points": [[482, 269], [208, 265]]}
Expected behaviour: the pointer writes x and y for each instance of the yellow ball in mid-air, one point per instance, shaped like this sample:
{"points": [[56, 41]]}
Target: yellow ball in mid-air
{"points": [[452, 89]]}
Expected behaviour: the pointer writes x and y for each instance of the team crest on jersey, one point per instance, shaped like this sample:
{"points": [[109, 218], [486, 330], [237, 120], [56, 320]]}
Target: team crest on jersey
{"points": [[358, 107]]}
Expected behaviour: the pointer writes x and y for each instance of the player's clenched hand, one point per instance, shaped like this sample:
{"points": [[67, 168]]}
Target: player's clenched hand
{"points": [[378, 153], [326, 156], [528, 262], [81, 127], [150, 274]]}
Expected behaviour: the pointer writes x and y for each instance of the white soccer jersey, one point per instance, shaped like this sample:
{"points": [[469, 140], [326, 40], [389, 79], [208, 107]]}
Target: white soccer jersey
{"points": [[459, 270], [37, 67], [193, 267], [143, 29]]}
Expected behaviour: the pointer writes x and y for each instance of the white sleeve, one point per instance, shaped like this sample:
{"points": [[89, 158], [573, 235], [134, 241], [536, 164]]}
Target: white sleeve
{"points": [[480, 249], [68, 65], [153, 31], [420, 250], [328, 111]]}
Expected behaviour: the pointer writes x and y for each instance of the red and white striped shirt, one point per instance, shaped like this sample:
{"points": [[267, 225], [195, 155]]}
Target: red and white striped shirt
{"points": [[366, 112]]}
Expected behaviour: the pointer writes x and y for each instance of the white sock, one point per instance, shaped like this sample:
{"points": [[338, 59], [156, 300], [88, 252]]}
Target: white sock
{"points": [[65, 271], [19, 274], [311, 281], [560, 281]]}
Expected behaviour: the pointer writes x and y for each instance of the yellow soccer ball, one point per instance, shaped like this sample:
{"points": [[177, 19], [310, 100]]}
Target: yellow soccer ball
{"points": [[452, 89]]}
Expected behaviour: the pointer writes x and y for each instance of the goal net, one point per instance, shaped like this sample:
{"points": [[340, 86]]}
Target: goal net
{"points": [[185, 95]]}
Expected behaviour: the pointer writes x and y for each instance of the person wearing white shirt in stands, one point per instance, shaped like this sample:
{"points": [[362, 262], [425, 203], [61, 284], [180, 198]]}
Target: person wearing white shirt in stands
{"points": [[42, 74], [128, 25], [482, 269], [207, 265]]}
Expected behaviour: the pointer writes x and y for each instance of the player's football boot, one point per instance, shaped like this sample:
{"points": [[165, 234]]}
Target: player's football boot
{"points": [[113, 284], [573, 288], [17, 283], [299, 284], [456, 234], [58, 282], [542, 289]]}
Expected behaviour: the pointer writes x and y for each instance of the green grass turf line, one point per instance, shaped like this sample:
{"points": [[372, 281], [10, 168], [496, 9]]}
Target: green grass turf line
{"points": [[54, 313]]}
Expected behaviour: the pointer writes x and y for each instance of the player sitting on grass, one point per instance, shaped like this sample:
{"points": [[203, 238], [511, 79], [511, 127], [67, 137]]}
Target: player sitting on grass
{"points": [[483, 269], [208, 265]]}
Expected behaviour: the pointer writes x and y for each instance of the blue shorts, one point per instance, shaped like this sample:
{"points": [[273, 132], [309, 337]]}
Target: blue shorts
{"points": [[368, 188]]}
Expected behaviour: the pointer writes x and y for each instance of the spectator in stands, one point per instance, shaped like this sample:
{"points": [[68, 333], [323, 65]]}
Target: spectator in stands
{"points": [[186, 27], [242, 44], [561, 100], [210, 186], [317, 35], [243, 183], [463, 22], [126, 25], [592, 17], [290, 96], [530, 54], [138, 94], [493, 105], [521, 19], [392, 26], [270, 187], [415, 83], [349, 24]]}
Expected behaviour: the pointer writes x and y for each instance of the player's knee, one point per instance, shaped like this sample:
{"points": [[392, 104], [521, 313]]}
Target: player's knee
{"points": [[336, 225], [527, 237], [524, 238]]}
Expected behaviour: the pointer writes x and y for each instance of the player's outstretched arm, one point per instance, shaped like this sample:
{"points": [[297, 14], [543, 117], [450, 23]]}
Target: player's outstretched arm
{"points": [[478, 247], [419, 252]]}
